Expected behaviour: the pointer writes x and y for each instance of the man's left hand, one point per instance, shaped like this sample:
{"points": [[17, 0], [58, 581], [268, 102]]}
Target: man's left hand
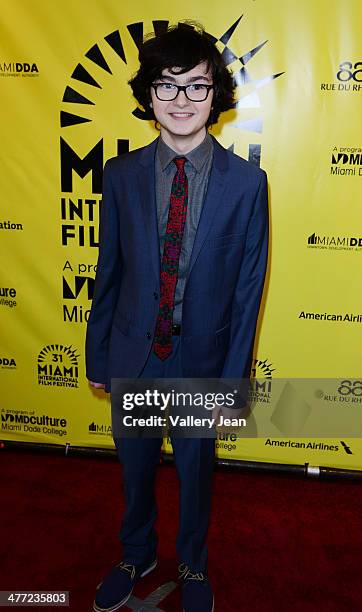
{"points": [[227, 413]]}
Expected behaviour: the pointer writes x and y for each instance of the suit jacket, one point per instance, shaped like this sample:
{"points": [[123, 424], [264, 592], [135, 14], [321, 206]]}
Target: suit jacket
{"points": [[225, 277]]}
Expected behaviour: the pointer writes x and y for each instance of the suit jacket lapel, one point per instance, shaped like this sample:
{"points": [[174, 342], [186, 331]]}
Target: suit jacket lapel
{"points": [[146, 185], [212, 201]]}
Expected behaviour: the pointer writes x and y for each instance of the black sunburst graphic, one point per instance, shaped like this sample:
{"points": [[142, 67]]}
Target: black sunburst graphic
{"points": [[59, 348], [136, 31], [262, 369]]}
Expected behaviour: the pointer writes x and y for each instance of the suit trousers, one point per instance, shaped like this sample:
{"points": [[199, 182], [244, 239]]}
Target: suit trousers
{"points": [[194, 459]]}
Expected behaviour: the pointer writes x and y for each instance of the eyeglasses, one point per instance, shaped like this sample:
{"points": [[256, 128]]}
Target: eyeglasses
{"points": [[197, 92]]}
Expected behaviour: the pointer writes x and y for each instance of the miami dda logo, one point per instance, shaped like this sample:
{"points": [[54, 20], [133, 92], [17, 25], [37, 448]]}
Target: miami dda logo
{"points": [[18, 69], [100, 430], [58, 366], [346, 161], [7, 363], [334, 243]]}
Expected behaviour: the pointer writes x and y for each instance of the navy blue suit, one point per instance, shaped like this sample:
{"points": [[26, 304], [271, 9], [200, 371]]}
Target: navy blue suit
{"points": [[219, 315], [225, 278]]}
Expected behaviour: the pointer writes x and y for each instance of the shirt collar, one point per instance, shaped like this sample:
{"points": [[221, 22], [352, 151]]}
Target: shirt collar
{"points": [[197, 157]]}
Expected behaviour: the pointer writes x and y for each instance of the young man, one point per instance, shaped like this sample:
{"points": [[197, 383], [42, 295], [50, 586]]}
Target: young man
{"points": [[182, 260]]}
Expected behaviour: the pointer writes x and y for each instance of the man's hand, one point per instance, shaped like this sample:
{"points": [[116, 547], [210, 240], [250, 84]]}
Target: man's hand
{"points": [[227, 413], [97, 385]]}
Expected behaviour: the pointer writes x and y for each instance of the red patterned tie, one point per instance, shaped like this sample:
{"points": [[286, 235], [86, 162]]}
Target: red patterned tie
{"points": [[170, 260]]}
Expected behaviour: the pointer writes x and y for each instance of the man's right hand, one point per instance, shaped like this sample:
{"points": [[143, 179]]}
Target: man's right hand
{"points": [[97, 385]]}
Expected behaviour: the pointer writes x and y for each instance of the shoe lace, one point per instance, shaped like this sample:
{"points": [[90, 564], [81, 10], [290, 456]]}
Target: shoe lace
{"points": [[187, 574], [128, 567]]}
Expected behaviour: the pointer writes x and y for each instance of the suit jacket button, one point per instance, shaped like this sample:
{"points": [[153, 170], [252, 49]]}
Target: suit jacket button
{"points": [[148, 335], [155, 295]]}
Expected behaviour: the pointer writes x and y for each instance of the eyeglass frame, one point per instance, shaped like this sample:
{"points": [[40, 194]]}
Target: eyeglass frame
{"points": [[182, 88]]}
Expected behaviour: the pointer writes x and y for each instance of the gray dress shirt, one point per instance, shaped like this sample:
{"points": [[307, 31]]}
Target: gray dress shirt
{"points": [[197, 169]]}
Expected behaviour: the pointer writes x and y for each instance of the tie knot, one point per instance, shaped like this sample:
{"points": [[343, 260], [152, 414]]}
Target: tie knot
{"points": [[180, 162]]}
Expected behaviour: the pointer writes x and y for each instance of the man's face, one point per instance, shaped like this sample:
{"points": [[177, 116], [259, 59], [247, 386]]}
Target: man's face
{"points": [[182, 120]]}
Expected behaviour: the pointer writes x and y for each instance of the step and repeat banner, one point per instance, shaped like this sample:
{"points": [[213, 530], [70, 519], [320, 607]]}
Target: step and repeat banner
{"points": [[66, 108]]}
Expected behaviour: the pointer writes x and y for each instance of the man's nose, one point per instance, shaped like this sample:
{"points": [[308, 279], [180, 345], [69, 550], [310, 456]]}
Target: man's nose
{"points": [[181, 99]]}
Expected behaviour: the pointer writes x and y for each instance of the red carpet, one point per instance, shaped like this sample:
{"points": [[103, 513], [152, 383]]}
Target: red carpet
{"points": [[277, 543]]}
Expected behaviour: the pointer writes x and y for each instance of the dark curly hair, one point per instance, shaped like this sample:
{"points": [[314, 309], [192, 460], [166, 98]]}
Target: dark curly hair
{"points": [[182, 46]]}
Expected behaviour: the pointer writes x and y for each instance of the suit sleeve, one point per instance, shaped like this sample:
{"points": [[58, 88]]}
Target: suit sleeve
{"points": [[106, 286], [249, 289]]}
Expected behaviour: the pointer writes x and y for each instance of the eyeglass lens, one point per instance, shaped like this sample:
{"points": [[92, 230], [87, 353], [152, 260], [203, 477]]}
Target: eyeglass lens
{"points": [[168, 91]]}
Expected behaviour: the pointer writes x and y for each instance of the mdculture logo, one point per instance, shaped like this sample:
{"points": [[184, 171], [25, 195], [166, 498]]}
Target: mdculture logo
{"points": [[100, 430], [7, 297], [348, 78], [346, 161], [77, 287], [7, 363], [58, 366], [334, 242], [346, 317], [18, 69], [30, 422]]}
